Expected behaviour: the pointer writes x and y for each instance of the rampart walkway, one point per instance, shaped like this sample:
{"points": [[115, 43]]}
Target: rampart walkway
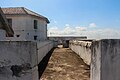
{"points": [[64, 64]]}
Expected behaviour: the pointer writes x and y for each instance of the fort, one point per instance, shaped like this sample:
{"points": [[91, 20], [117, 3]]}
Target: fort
{"points": [[24, 46]]}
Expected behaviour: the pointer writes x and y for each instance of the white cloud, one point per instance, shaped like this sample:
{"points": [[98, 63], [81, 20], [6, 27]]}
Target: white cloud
{"points": [[84, 31], [103, 34], [53, 31], [92, 25], [81, 28], [68, 30], [67, 25], [96, 33]]}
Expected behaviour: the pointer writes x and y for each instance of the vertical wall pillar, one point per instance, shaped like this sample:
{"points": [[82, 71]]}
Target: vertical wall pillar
{"points": [[105, 60]]}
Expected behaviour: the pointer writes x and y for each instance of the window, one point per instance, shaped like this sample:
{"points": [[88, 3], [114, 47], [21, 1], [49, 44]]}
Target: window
{"points": [[9, 22], [35, 37], [35, 24]]}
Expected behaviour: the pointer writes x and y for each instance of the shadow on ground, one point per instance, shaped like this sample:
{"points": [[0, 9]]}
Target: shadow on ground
{"points": [[43, 64]]}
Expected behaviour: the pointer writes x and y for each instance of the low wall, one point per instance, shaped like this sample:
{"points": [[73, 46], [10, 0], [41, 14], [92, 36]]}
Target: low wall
{"points": [[19, 59], [83, 49], [43, 48], [103, 56]]}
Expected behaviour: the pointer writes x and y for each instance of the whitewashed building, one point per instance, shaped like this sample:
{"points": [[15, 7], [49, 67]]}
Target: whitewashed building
{"points": [[27, 25]]}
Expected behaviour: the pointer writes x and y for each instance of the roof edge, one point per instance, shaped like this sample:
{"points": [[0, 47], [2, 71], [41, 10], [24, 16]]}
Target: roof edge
{"points": [[25, 10], [46, 19]]}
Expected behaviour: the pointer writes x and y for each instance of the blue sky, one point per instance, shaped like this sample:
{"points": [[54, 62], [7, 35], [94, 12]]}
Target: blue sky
{"points": [[66, 16]]}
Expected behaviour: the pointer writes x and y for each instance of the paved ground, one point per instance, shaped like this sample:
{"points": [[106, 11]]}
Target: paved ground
{"points": [[64, 64]]}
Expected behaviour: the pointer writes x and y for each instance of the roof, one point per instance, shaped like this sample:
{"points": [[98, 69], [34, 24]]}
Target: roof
{"points": [[5, 26], [22, 11]]}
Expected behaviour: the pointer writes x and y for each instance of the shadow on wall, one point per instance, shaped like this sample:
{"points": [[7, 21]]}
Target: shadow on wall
{"points": [[43, 64]]}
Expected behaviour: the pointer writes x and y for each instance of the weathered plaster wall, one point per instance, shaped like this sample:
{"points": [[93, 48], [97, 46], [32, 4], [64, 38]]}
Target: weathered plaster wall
{"points": [[23, 25], [19, 59], [43, 48], [2, 34], [17, 53], [105, 60], [95, 66], [103, 56], [83, 49], [28, 74]]}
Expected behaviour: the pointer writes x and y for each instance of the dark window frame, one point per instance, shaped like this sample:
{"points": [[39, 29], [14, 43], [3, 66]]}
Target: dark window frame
{"points": [[35, 24], [35, 37], [9, 21]]}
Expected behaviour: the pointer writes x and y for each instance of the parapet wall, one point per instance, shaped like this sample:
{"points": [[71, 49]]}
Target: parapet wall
{"points": [[103, 56], [83, 49], [43, 48], [19, 59]]}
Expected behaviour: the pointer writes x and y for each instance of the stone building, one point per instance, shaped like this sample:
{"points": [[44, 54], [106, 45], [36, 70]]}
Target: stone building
{"points": [[27, 25], [5, 29]]}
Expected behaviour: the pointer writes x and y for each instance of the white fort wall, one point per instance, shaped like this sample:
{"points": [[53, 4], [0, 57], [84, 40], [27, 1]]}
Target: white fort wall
{"points": [[43, 48], [19, 59], [105, 62], [103, 56], [83, 49]]}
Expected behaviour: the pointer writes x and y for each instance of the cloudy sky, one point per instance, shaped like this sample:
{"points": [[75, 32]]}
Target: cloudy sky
{"points": [[91, 18]]}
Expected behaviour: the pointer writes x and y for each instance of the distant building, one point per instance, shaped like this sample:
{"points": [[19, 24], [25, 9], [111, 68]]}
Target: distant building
{"points": [[64, 40], [27, 25], [5, 29], [57, 38]]}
